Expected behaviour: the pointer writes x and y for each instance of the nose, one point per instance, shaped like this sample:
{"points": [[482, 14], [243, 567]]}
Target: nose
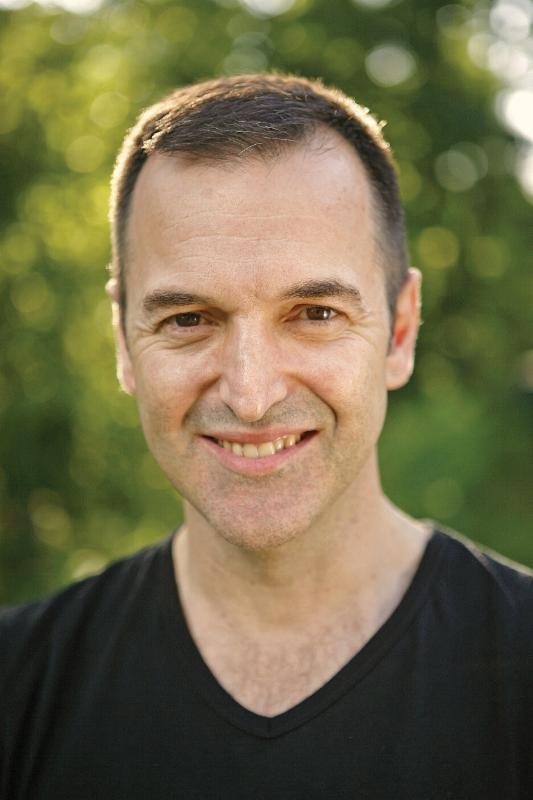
{"points": [[252, 371]]}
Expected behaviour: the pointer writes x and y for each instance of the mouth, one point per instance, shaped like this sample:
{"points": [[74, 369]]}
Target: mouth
{"points": [[249, 450]]}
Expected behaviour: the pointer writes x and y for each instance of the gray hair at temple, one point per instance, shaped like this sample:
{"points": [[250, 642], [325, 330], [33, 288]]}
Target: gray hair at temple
{"points": [[259, 116]]}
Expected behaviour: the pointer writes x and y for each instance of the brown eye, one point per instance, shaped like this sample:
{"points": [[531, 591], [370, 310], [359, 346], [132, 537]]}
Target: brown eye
{"points": [[188, 319], [319, 313]]}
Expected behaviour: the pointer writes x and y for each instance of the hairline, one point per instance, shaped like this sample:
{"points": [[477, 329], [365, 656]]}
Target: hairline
{"points": [[321, 137]]}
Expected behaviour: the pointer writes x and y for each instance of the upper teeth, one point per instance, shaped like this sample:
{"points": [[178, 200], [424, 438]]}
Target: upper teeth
{"points": [[264, 449]]}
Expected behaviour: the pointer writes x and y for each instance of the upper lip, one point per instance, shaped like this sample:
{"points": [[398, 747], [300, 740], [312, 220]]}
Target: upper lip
{"points": [[256, 437]]}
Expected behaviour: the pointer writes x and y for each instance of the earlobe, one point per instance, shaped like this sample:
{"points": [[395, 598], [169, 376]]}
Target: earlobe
{"points": [[125, 374], [401, 355]]}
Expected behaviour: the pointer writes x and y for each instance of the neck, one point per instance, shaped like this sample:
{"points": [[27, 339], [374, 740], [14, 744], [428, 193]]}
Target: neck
{"points": [[362, 559]]}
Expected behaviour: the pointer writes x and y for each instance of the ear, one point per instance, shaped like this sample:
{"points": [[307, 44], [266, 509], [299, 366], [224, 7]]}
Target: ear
{"points": [[125, 374], [401, 356]]}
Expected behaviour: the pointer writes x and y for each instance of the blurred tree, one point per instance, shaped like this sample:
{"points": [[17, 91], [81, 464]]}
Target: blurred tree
{"points": [[77, 486]]}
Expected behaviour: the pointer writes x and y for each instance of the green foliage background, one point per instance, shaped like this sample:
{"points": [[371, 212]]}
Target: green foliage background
{"points": [[77, 486]]}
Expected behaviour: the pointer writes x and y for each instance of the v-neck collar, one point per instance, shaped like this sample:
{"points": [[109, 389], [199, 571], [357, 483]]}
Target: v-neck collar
{"points": [[184, 652]]}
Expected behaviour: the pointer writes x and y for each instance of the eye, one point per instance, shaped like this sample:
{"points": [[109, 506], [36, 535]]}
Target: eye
{"points": [[187, 319], [318, 313]]}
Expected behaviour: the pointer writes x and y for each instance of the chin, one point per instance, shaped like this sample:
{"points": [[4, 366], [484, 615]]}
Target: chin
{"points": [[259, 540], [254, 532]]}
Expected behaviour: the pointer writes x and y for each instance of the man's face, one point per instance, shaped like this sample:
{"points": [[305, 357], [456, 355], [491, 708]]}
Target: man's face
{"points": [[258, 336]]}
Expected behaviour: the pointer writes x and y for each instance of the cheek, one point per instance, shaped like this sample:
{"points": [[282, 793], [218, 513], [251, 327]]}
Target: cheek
{"points": [[358, 400], [351, 382], [165, 391]]}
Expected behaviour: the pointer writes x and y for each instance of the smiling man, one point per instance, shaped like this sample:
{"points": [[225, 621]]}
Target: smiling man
{"points": [[299, 636]]}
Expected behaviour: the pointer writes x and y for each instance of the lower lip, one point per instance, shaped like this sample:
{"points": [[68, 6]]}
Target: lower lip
{"points": [[256, 466]]}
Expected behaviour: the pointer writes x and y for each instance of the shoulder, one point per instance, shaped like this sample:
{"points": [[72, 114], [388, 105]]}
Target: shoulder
{"points": [[34, 632], [511, 582], [482, 588]]}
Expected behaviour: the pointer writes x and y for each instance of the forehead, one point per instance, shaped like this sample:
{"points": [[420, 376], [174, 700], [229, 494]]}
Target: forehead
{"points": [[308, 208]]}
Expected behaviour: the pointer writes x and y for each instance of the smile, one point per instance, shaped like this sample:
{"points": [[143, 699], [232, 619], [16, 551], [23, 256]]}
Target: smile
{"points": [[262, 449]]}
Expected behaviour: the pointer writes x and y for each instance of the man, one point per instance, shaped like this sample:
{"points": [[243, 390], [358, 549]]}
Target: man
{"points": [[299, 637]]}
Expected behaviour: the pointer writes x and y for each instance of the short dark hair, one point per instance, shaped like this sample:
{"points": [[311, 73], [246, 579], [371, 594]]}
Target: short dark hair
{"points": [[259, 116]]}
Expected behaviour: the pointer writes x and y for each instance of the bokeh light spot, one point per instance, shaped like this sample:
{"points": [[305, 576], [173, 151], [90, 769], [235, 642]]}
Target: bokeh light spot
{"points": [[372, 4], [511, 20], [438, 247], [109, 109], [390, 64], [507, 61], [18, 249], [73, 6], [524, 170], [14, 5], [102, 63], [68, 30], [33, 299], [456, 171], [268, 8], [85, 154], [515, 108]]}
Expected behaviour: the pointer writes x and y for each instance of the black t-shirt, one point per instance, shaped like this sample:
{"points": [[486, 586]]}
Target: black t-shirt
{"points": [[104, 695]]}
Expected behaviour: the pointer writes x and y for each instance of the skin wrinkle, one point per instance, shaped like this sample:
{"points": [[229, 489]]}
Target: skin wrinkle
{"points": [[324, 289], [264, 557], [239, 218], [161, 198], [215, 235], [231, 214], [234, 236], [215, 122], [308, 415], [325, 146]]}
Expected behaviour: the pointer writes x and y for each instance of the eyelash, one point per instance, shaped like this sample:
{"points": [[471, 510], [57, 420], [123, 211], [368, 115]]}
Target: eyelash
{"points": [[184, 314], [173, 320], [321, 308]]}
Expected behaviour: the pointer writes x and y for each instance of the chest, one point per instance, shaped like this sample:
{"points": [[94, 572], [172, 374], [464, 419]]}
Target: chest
{"points": [[150, 724], [269, 674]]}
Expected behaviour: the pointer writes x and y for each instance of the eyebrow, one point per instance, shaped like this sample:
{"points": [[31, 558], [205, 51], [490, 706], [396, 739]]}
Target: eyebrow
{"points": [[324, 288], [170, 298]]}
